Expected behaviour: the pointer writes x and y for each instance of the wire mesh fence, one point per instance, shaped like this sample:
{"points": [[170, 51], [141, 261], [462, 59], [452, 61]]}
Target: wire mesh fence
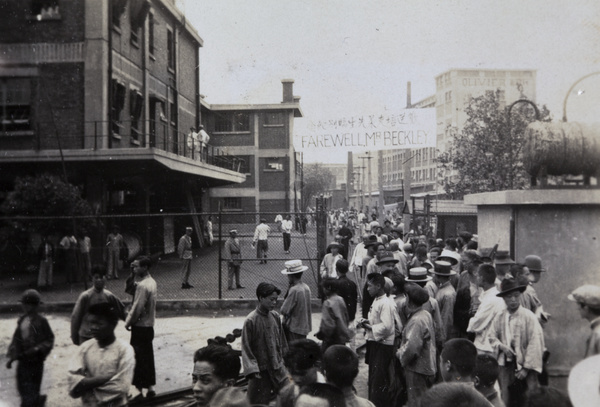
{"points": [[155, 235]]}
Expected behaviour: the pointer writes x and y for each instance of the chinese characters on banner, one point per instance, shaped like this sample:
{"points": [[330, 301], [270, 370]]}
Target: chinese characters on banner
{"points": [[404, 128]]}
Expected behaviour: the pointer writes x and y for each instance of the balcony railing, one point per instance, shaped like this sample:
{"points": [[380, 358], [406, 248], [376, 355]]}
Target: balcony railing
{"points": [[99, 135]]}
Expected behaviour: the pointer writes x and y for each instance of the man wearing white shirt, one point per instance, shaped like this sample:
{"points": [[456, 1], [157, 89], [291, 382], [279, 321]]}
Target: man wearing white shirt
{"points": [[286, 229], [328, 263], [489, 307], [261, 234], [360, 251]]}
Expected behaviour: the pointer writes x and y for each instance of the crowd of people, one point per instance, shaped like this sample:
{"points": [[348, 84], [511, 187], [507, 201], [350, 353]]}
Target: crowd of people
{"points": [[445, 323]]}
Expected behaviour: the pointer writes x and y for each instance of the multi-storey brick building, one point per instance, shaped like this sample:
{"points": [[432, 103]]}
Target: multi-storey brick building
{"points": [[111, 89], [262, 136]]}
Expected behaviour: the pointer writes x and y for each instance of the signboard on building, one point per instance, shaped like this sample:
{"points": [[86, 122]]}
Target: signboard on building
{"points": [[400, 129]]}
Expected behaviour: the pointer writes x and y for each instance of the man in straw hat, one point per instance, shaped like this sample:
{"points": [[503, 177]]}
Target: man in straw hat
{"points": [[297, 320], [518, 341], [588, 298], [445, 296], [232, 252], [420, 276]]}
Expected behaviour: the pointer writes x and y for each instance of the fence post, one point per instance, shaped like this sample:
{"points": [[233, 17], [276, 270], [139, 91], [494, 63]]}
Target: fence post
{"points": [[220, 254], [321, 214]]}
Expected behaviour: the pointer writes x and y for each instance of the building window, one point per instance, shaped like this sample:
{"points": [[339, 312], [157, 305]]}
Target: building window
{"points": [[118, 8], [118, 102], [274, 164], [45, 10], [232, 122], [274, 119], [151, 33], [171, 49], [173, 114], [135, 39], [15, 104], [136, 104], [230, 204]]}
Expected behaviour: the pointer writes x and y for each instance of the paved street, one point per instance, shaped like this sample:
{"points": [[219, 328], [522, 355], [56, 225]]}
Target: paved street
{"points": [[176, 339]]}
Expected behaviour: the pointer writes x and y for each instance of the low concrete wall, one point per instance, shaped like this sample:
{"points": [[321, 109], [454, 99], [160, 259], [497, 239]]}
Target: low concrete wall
{"points": [[563, 228]]}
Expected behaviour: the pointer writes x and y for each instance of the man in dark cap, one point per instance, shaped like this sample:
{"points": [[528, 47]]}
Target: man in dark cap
{"points": [[31, 343], [232, 252], [518, 340]]}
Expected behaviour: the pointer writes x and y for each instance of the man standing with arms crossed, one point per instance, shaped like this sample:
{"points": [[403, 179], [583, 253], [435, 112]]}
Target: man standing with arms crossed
{"points": [[184, 249]]}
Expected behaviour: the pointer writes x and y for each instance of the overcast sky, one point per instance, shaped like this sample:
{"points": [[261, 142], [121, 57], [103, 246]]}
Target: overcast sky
{"points": [[351, 56]]}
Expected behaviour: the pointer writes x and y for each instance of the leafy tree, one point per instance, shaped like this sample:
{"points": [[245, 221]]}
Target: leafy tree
{"points": [[485, 155], [317, 180], [49, 196]]}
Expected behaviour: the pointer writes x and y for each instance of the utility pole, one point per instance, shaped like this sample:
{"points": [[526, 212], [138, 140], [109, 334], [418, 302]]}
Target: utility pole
{"points": [[381, 201], [349, 177], [368, 157]]}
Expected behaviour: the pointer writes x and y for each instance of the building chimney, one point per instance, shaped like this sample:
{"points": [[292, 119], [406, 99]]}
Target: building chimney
{"points": [[288, 90], [408, 101]]}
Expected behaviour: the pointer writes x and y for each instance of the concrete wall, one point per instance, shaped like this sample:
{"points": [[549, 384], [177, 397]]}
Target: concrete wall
{"points": [[567, 240], [563, 228]]}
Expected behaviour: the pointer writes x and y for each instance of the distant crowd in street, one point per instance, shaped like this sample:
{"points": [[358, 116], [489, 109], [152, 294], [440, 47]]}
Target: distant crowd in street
{"points": [[444, 323]]}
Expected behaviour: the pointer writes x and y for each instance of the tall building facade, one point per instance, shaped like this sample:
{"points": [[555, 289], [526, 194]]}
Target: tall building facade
{"points": [[108, 90], [261, 135], [454, 91]]}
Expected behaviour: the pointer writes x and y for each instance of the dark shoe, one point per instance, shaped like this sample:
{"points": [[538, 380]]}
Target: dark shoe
{"points": [[240, 286], [139, 397], [183, 286], [151, 393], [190, 286]]}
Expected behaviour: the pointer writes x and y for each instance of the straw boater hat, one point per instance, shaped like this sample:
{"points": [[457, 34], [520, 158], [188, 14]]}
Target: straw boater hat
{"points": [[449, 256], [418, 275], [232, 231], [534, 263], [443, 268], [334, 244], [293, 267], [509, 285], [502, 257]]}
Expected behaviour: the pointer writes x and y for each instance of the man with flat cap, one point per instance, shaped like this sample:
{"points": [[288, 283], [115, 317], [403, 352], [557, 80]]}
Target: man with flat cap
{"points": [[588, 298], [184, 249], [232, 252]]}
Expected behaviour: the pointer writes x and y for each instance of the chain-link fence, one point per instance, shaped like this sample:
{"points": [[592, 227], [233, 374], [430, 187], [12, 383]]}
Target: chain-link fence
{"points": [[156, 235]]}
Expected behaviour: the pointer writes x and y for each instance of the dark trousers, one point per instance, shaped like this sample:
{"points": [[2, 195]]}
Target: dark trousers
{"points": [[291, 336], [514, 390], [233, 270], [260, 391], [416, 385], [29, 381], [144, 374], [262, 247], [287, 241], [379, 357]]}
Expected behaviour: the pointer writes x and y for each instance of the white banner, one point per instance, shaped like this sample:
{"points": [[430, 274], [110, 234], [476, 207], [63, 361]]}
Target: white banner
{"points": [[404, 128]]}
